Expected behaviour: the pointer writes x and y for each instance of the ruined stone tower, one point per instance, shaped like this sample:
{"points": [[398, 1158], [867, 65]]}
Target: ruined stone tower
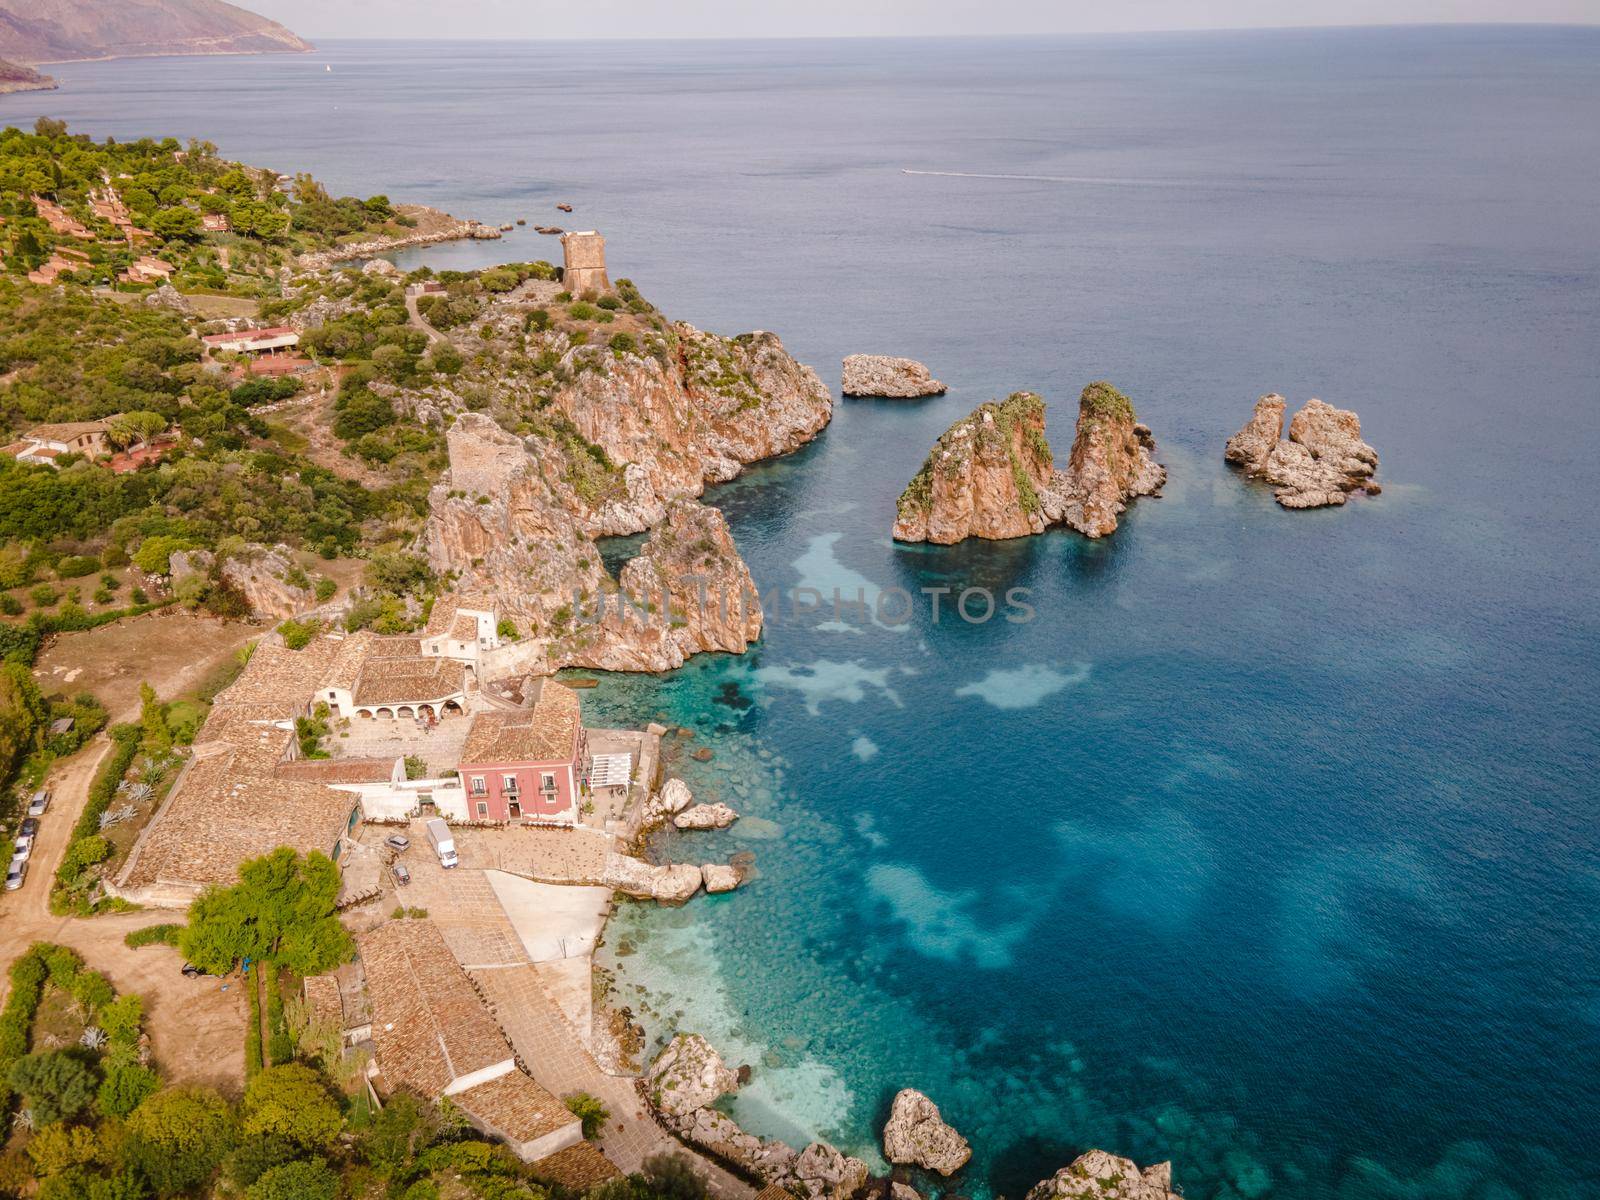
{"points": [[584, 263]]}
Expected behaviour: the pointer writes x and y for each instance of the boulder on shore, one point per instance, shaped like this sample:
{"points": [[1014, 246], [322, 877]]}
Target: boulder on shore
{"points": [[706, 816], [687, 1075], [916, 1135], [1101, 1176], [828, 1174], [894, 378], [634, 877], [1322, 461], [992, 474]]}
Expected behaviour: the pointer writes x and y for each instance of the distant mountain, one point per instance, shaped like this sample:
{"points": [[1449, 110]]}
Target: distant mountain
{"points": [[16, 78], [34, 31]]}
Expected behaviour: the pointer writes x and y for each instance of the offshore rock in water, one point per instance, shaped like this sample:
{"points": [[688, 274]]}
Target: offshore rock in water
{"points": [[1321, 463], [1101, 1176], [916, 1135], [992, 474], [893, 378], [688, 1075], [719, 877]]}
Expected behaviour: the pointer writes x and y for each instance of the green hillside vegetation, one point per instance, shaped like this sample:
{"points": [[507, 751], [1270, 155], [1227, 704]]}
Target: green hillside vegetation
{"points": [[169, 188]]}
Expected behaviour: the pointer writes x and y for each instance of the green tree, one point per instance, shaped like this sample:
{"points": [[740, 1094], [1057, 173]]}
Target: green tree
{"points": [[282, 909], [58, 1148], [125, 1087], [291, 1102], [590, 1110], [178, 1136], [176, 224], [153, 721], [58, 1084], [309, 1179]]}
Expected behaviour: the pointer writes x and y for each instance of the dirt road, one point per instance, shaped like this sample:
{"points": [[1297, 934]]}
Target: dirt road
{"points": [[196, 1026]]}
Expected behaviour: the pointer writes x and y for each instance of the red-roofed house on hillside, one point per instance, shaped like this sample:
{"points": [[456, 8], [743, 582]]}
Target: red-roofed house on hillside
{"points": [[526, 765]]}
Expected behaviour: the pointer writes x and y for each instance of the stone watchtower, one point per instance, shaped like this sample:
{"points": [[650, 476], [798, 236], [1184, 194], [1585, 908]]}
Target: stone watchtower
{"points": [[584, 263]]}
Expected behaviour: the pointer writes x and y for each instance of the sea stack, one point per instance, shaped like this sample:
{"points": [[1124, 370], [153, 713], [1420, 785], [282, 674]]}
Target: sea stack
{"points": [[992, 474], [917, 1135], [1322, 462], [876, 375]]}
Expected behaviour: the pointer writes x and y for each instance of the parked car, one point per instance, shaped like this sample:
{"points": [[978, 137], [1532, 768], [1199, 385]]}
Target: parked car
{"points": [[39, 803], [398, 842], [26, 832], [23, 850], [17, 873], [30, 826], [401, 876], [190, 971]]}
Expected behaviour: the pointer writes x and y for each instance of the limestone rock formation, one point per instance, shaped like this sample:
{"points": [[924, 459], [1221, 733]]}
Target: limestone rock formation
{"points": [[895, 378], [269, 581], [687, 1075], [698, 417], [992, 475], [706, 816], [508, 520], [719, 877], [690, 566], [1109, 465], [1321, 463], [828, 1174], [1252, 445], [916, 1135], [1101, 1176], [983, 477]]}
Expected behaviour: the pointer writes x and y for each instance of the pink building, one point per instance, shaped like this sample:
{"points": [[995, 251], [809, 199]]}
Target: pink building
{"points": [[526, 765]]}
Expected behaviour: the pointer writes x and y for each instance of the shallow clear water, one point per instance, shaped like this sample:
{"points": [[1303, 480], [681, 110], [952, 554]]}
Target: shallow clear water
{"points": [[1270, 844]]}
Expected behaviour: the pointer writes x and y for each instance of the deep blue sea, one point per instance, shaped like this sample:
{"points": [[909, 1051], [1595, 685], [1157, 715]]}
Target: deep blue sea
{"points": [[1271, 844]]}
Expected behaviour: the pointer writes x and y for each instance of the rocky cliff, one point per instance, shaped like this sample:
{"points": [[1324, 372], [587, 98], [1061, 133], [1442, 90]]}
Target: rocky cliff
{"points": [[1322, 462], [512, 520], [694, 414], [992, 474], [33, 31], [895, 378]]}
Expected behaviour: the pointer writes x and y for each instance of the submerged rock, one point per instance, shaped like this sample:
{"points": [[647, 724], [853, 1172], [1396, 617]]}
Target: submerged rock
{"points": [[688, 1075], [992, 474], [1101, 1176], [895, 378], [1321, 463], [916, 1135]]}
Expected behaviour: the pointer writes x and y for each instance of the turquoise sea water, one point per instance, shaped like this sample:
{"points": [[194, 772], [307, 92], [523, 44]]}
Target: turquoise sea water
{"points": [[1270, 844]]}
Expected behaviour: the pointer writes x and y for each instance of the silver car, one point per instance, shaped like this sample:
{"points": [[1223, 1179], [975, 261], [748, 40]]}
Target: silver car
{"points": [[39, 803], [15, 876]]}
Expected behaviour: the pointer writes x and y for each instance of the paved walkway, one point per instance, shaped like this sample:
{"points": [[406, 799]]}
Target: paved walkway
{"points": [[555, 1057]]}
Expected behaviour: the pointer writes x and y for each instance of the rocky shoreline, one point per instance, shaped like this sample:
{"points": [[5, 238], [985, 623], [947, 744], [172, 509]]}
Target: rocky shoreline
{"points": [[441, 227], [688, 1077]]}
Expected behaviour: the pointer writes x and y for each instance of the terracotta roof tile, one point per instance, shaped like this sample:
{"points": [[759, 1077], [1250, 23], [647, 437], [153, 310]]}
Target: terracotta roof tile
{"points": [[545, 732], [428, 1022], [515, 1107]]}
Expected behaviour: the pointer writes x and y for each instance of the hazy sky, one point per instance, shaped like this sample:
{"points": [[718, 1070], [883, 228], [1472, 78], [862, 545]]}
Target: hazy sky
{"points": [[790, 18]]}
